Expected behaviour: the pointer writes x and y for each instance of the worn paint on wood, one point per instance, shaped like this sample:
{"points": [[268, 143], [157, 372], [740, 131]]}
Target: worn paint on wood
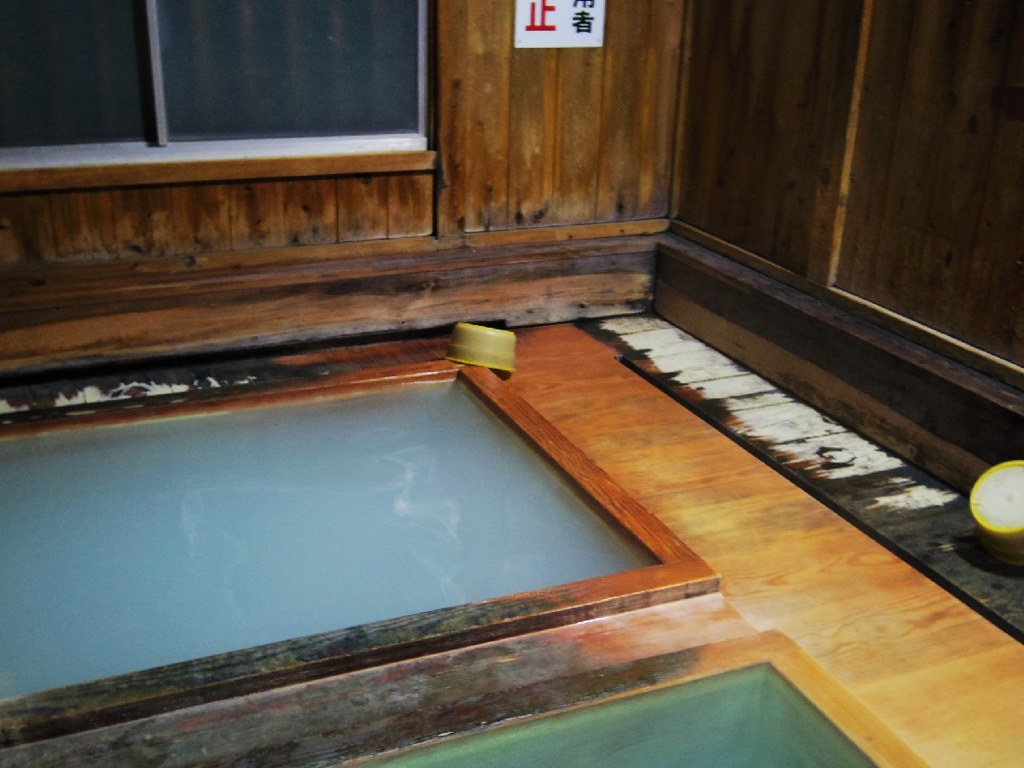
{"points": [[920, 518], [903, 396]]}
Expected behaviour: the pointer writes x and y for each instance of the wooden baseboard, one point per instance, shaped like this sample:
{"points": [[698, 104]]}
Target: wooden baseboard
{"points": [[135, 315], [990, 364], [937, 413]]}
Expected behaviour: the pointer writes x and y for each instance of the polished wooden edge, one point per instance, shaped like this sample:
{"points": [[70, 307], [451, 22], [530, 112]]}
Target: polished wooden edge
{"points": [[196, 171], [856, 721], [143, 694], [148, 693], [602, 491]]}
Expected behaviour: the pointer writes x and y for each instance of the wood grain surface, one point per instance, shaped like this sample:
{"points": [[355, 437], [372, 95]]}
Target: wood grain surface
{"points": [[760, 153], [533, 137], [942, 677], [138, 313], [936, 210]]}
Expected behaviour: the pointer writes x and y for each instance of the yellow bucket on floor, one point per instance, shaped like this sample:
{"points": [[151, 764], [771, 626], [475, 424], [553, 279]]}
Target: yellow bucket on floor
{"points": [[997, 504]]}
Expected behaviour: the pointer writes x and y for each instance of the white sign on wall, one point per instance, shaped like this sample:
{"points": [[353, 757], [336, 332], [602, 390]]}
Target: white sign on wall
{"points": [[559, 23]]}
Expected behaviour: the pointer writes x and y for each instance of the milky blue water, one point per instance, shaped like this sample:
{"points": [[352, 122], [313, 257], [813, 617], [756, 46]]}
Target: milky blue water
{"points": [[127, 547]]}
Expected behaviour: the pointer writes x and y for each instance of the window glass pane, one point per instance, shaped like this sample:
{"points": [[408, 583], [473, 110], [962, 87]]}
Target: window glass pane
{"points": [[69, 72], [266, 68]]}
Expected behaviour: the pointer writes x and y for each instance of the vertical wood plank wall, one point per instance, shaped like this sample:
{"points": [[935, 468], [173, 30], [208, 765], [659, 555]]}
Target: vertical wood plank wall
{"points": [[882, 161], [761, 145], [537, 137], [136, 222], [935, 220]]}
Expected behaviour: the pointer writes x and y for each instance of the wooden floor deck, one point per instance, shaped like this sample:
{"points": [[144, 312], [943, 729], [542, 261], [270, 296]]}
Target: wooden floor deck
{"points": [[947, 681]]}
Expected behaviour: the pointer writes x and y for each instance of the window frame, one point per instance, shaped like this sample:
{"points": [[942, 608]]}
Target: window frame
{"points": [[162, 151]]}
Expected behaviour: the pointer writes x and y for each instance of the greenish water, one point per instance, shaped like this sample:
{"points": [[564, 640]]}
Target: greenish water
{"points": [[751, 718]]}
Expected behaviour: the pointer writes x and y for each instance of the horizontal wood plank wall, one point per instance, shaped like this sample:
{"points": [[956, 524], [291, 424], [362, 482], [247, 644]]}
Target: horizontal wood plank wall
{"points": [[130, 222], [538, 137], [130, 315], [766, 95], [935, 223]]}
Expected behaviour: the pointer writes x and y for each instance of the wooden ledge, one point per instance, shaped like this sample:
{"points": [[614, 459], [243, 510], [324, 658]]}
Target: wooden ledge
{"points": [[192, 171]]}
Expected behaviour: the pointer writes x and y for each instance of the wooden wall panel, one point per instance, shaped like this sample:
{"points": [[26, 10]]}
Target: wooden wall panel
{"points": [[142, 220], [580, 90], [201, 218], [533, 138], [276, 213], [936, 210], [766, 100], [474, 59], [166, 221], [83, 226], [532, 145], [641, 75], [363, 207], [410, 204], [108, 224], [26, 230]]}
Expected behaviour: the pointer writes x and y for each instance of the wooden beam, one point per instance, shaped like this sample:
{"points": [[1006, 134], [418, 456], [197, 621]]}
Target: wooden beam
{"points": [[139, 315], [945, 345], [191, 171], [51, 284], [941, 415]]}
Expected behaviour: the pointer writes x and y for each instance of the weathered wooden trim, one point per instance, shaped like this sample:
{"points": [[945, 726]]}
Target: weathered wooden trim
{"points": [[141, 315], [936, 413], [302, 388], [145, 694], [51, 284], [997, 367], [182, 172], [213, 679], [416, 703]]}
